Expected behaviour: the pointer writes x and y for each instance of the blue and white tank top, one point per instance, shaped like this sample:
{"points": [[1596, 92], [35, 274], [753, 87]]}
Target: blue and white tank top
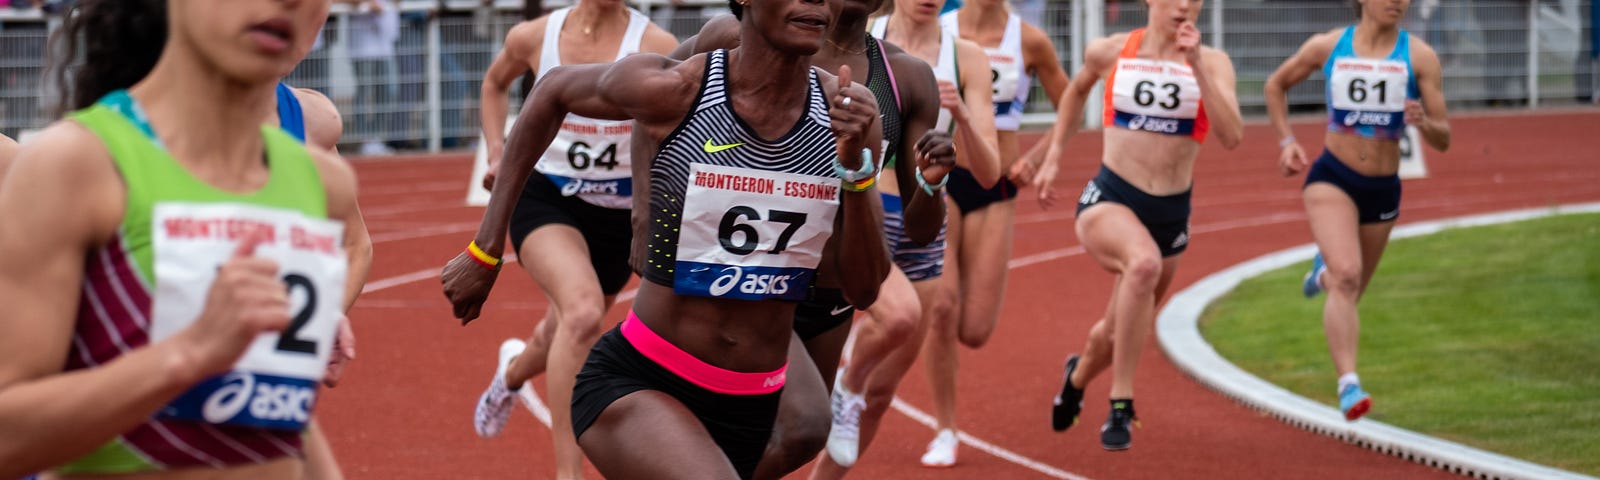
{"points": [[589, 158], [1367, 96], [1007, 69], [733, 215]]}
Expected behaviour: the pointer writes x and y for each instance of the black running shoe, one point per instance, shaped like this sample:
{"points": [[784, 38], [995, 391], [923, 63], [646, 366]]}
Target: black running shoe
{"points": [[1069, 402], [1117, 434]]}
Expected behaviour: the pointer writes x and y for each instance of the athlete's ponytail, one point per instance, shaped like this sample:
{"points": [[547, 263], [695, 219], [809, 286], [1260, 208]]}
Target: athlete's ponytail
{"points": [[105, 45]]}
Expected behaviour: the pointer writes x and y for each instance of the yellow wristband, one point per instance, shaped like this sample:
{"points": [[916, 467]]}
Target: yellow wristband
{"points": [[858, 187], [481, 256]]}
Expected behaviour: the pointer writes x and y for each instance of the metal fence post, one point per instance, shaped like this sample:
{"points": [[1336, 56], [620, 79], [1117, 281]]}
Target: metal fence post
{"points": [[1094, 27], [1216, 24], [435, 110], [1533, 54]]}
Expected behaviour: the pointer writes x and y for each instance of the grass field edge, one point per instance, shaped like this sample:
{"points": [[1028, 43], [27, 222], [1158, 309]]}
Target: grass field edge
{"points": [[1178, 332]]}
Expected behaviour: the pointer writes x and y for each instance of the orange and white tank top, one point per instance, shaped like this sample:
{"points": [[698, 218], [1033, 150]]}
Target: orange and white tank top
{"points": [[1156, 96]]}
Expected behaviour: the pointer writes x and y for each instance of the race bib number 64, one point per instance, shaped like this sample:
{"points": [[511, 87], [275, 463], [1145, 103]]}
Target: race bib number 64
{"points": [[274, 385]]}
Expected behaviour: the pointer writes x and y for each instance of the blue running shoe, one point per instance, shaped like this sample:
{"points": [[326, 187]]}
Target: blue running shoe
{"points": [[1309, 285], [1354, 402]]}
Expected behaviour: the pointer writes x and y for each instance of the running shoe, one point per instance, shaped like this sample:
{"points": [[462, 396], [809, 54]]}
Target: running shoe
{"points": [[1311, 285], [1354, 402], [942, 450], [494, 406], [844, 436], [1117, 433], [1064, 412]]}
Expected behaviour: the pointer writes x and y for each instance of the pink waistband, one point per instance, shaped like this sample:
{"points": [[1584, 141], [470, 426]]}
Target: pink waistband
{"points": [[693, 369]]}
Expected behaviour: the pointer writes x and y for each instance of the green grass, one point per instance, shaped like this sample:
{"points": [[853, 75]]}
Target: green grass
{"points": [[1487, 336]]}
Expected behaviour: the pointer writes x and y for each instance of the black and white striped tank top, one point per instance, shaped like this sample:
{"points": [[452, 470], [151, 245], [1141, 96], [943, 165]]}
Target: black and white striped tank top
{"points": [[733, 215]]}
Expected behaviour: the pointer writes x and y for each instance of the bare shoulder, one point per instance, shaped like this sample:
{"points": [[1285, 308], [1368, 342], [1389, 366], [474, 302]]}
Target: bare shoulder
{"points": [[653, 87], [1106, 48], [657, 40], [1034, 37], [1422, 52], [1214, 55], [323, 123], [338, 179], [525, 38], [8, 149], [68, 164]]}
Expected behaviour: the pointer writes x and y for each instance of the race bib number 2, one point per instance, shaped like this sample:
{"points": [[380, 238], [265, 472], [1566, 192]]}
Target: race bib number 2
{"points": [[753, 234], [274, 385]]}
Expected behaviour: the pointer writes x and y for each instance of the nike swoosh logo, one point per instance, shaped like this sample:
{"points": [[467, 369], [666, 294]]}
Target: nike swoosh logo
{"points": [[840, 310], [711, 148]]}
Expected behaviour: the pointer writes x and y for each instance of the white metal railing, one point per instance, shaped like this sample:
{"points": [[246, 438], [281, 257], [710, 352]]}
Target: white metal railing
{"points": [[1502, 53]]}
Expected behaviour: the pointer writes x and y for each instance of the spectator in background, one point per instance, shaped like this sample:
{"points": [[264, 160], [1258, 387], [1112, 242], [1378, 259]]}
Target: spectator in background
{"points": [[1505, 46], [374, 29]]}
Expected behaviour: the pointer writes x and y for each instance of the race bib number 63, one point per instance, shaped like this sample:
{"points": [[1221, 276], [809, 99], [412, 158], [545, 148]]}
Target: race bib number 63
{"points": [[274, 385]]}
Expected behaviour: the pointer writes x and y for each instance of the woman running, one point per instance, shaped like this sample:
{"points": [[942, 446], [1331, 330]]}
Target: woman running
{"points": [[981, 244], [965, 96], [764, 173], [908, 102], [184, 178], [1376, 74], [571, 225], [1164, 93]]}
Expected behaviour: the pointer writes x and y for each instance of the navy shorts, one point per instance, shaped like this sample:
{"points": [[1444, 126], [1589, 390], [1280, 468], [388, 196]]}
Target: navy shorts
{"points": [[739, 424], [970, 196], [608, 232], [1166, 217], [1377, 198], [822, 311]]}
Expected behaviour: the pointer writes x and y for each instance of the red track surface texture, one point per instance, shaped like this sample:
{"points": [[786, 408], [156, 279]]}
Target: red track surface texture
{"points": [[405, 409]]}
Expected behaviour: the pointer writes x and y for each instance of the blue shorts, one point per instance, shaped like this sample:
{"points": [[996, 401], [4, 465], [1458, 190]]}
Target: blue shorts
{"points": [[970, 196], [1165, 217], [919, 262], [1377, 198]]}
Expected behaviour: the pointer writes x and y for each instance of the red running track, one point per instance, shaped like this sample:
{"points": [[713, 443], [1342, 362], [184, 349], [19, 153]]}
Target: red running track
{"points": [[405, 408]]}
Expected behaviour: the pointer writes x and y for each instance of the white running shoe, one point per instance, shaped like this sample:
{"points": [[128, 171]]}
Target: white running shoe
{"points": [[494, 406], [844, 437], [942, 450]]}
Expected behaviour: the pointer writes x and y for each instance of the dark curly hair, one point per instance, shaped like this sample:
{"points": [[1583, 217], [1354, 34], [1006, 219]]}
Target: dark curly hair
{"points": [[105, 45]]}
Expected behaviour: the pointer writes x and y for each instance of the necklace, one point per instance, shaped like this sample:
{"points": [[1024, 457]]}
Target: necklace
{"points": [[846, 50]]}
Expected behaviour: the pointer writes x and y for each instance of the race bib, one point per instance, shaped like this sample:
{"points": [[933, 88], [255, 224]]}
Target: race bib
{"points": [[753, 234], [1155, 96], [274, 385], [1006, 73], [1367, 92], [590, 159]]}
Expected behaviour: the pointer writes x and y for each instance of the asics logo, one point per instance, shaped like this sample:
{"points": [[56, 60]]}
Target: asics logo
{"points": [[753, 284], [1366, 118], [1351, 118], [1153, 124], [230, 399], [710, 147], [1136, 123]]}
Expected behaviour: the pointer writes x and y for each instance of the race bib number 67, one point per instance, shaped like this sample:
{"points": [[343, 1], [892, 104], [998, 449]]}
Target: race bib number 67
{"points": [[753, 234], [274, 385]]}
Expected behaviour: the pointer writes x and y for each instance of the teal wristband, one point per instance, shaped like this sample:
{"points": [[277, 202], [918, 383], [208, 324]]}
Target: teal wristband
{"points": [[931, 190], [867, 170]]}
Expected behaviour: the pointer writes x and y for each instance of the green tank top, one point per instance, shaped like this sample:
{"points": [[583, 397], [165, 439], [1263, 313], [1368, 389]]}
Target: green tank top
{"points": [[155, 183]]}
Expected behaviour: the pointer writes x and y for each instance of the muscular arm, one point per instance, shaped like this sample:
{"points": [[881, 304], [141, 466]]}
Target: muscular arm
{"points": [[521, 43], [1435, 124], [1216, 78], [1294, 70], [919, 109], [862, 259], [47, 417], [1098, 58], [975, 135], [1039, 57]]}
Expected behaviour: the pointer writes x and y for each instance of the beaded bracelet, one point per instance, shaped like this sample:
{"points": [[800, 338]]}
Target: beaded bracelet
{"points": [[861, 186]]}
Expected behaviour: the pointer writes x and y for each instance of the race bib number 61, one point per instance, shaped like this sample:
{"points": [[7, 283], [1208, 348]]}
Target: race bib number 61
{"points": [[274, 385]]}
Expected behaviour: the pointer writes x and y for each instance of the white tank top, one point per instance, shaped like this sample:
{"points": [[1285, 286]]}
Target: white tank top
{"points": [[590, 158], [1007, 70], [945, 69]]}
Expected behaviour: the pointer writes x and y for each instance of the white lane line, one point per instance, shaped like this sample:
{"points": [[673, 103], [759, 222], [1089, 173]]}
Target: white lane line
{"points": [[927, 420], [1177, 331]]}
